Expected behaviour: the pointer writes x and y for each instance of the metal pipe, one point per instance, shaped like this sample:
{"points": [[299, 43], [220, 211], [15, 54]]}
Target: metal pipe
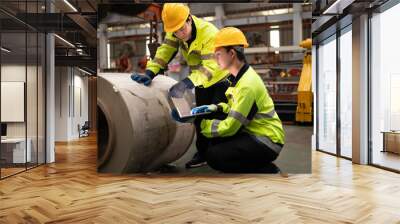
{"points": [[135, 131]]}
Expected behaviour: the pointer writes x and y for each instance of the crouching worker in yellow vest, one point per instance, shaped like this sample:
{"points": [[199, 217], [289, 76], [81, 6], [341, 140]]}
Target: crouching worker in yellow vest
{"points": [[251, 137], [194, 38]]}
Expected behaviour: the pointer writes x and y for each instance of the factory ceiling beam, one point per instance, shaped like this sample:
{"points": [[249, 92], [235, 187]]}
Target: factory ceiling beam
{"points": [[264, 19], [256, 50], [227, 22], [84, 24], [75, 15], [129, 32], [327, 16], [78, 61], [288, 25], [45, 22]]}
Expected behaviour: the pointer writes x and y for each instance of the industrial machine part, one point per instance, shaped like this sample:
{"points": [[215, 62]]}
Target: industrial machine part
{"points": [[136, 132], [304, 93]]}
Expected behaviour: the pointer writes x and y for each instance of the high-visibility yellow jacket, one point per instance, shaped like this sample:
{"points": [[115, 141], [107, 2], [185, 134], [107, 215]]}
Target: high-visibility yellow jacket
{"points": [[204, 70], [249, 107]]}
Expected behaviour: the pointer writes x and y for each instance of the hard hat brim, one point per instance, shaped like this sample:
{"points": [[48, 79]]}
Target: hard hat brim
{"points": [[174, 28], [226, 45]]}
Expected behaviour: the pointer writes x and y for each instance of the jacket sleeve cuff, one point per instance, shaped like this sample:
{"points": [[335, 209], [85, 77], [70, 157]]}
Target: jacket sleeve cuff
{"points": [[224, 107], [150, 74], [188, 83]]}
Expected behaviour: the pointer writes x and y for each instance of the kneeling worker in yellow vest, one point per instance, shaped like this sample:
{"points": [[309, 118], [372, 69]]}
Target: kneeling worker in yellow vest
{"points": [[194, 38], [251, 137]]}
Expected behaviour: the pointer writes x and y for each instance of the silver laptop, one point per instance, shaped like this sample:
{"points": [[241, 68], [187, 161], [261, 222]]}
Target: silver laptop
{"points": [[183, 108]]}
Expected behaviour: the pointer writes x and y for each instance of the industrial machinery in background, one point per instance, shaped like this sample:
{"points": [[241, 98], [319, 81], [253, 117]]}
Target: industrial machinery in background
{"points": [[304, 92], [121, 18], [282, 80]]}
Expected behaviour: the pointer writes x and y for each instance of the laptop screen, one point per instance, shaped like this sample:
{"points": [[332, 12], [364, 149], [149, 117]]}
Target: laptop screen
{"points": [[182, 106]]}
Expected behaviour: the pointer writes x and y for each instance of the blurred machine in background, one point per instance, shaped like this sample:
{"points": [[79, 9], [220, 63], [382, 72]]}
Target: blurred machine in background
{"points": [[304, 92]]}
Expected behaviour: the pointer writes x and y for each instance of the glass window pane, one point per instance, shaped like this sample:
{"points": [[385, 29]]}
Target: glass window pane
{"points": [[385, 89], [327, 96], [41, 98], [346, 93], [32, 97], [14, 152]]}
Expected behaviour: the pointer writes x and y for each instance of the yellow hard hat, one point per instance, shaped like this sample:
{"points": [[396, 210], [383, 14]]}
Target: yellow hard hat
{"points": [[230, 36], [174, 15]]}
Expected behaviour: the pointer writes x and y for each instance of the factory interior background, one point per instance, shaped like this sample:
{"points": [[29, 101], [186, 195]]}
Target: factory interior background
{"points": [[132, 31], [339, 112]]}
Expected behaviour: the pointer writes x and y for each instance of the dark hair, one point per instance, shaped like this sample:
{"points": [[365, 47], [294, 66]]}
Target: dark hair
{"points": [[239, 49]]}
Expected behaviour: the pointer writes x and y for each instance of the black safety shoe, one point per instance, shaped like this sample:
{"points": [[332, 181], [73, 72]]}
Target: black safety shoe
{"points": [[197, 161], [270, 168]]}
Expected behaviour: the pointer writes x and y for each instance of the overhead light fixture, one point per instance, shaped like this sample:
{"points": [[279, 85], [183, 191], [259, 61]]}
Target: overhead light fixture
{"points": [[86, 72], [70, 5], [5, 50], [64, 40], [274, 27], [276, 11]]}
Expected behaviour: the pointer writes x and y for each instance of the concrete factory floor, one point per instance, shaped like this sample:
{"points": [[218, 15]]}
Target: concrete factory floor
{"points": [[295, 157]]}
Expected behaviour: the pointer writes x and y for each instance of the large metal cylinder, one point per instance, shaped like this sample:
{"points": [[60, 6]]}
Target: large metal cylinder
{"points": [[135, 130]]}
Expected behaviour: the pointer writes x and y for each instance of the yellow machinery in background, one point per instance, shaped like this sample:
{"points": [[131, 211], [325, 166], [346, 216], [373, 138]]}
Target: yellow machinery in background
{"points": [[304, 92]]}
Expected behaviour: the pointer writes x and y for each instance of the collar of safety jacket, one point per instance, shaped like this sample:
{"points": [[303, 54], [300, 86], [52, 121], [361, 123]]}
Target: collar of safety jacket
{"points": [[194, 32], [198, 26], [241, 72]]}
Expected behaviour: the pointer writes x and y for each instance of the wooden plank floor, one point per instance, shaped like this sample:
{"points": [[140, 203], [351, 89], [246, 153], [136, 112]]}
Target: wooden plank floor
{"points": [[71, 191]]}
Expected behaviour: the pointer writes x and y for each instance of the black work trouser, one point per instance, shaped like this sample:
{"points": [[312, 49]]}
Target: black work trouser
{"points": [[204, 96], [240, 153]]}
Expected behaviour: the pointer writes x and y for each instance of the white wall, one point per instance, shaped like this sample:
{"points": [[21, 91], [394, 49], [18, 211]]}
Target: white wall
{"points": [[16, 73], [33, 127], [71, 93], [62, 81]]}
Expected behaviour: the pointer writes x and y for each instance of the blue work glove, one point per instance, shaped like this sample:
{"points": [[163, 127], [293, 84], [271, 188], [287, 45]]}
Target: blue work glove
{"points": [[178, 90], [204, 108], [145, 79], [175, 116]]}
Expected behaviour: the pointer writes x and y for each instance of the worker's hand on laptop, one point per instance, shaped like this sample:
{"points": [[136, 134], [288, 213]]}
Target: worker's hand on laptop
{"points": [[204, 108], [178, 90], [175, 116], [143, 78]]}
